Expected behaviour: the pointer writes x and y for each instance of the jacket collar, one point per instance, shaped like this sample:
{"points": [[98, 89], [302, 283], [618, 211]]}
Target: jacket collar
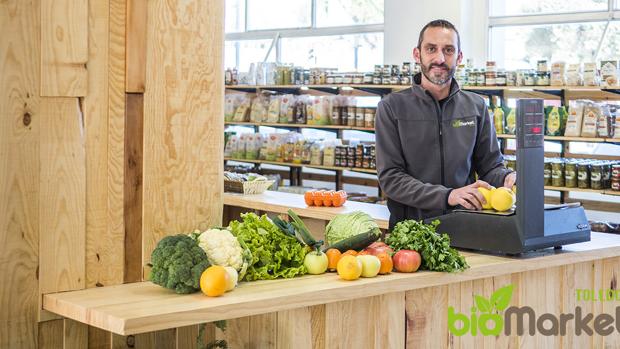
{"points": [[417, 80]]}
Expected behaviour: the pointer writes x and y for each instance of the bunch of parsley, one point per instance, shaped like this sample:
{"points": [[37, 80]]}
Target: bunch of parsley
{"points": [[437, 255]]}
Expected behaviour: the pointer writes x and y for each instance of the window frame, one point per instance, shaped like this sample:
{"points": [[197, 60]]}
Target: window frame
{"points": [[612, 14], [310, 31]]}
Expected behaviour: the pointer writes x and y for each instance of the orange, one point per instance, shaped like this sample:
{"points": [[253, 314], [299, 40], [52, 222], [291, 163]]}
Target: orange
{"points": [[350, 253], [349, 268], [386, 263], [333, 256], [214, 281]]}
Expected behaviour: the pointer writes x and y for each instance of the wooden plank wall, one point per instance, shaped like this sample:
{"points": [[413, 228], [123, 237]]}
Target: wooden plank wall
{"points": [[19, 172], [183, 133], [70, 203]]}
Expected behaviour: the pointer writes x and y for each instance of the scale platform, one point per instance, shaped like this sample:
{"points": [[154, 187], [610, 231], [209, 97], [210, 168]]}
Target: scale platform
{"points": [[531, 225]]}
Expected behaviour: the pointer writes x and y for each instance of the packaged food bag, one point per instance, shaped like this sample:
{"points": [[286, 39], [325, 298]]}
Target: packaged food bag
{"points": [[287, 104], [590, 75], [555, 120], [616, 121], [230, 105], [511, 120], [603, 127], [574, 120], [574, 75], [499, 120], [591, 113], [242, 113], [231, 146], [609, 73], [273, 114]]}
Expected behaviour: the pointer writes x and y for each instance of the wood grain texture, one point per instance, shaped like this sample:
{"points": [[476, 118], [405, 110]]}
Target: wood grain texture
{"points": [[116, 142], [96, 130], [99, 339], [165, 339], [426, 326], [19, 173], [183, 130], [263, 330], [237, 333], [135, 70], [62, 196], [127, 309], [187, 337], [50, 334], [64, 48], [133, 186], [75, 334], [294, 328]]}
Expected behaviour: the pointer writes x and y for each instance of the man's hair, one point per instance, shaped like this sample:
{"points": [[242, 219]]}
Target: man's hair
{"points": [[439, 23]]}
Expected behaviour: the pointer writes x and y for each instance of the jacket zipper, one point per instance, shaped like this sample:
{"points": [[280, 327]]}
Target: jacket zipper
{"points": [[439, 123]]}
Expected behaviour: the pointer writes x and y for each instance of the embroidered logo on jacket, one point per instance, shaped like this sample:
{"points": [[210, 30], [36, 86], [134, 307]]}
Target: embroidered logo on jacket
{"points": [[459, 123]]}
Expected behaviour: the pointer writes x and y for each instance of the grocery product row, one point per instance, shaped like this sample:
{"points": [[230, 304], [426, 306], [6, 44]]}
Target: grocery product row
{"points": [[603, 73], [582, 118], [294, 148], [302, 110], [578, 173]]}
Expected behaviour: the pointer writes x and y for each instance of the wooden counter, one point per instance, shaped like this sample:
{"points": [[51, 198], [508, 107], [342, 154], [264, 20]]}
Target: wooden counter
{"points": [[144, 307], [390, 311]]}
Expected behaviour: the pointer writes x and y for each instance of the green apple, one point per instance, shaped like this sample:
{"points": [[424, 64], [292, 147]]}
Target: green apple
{"points": [[316, 262], [233, 277], [370, 265]]}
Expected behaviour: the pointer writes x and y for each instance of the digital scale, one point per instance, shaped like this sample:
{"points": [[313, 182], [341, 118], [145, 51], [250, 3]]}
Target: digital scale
{"points": [[531, 225]]}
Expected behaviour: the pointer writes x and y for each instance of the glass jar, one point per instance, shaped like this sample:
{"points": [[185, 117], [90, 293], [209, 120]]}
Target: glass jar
{"points": [[570, 175], [367, 78], [557, 174], [583, 175]]}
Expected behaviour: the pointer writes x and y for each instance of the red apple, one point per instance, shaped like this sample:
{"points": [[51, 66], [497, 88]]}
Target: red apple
{"points": [[406, 261]]}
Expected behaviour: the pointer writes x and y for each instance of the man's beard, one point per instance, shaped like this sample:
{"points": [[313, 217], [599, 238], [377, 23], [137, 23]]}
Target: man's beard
{"points": [[440, 78]]}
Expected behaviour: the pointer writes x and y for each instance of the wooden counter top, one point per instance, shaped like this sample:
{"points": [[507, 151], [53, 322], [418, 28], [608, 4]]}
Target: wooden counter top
{"points": [[144, 307], [279, 202]]}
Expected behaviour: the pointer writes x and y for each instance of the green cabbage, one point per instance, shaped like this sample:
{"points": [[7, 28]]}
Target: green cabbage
{"points": [[350, 224]]}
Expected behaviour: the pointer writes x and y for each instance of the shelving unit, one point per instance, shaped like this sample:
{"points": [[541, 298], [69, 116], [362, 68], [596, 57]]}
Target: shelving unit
{"points": [[562, 93]]}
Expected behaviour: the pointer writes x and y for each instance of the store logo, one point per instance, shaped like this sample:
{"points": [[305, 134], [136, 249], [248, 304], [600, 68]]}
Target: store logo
{"points": [[459, 123], [492, 316]]}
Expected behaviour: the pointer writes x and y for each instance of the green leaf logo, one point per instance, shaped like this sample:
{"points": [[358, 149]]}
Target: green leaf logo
{"points": [[483, 304], [500, 299]]}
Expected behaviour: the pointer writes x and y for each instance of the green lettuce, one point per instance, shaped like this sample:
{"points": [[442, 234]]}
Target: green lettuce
{"points": [[274, 254], [350, 224]]}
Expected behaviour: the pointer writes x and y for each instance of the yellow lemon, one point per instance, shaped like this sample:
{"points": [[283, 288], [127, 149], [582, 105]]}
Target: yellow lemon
{"points": [[214, 280], [349, 268], [487, 197], [502, 199]]}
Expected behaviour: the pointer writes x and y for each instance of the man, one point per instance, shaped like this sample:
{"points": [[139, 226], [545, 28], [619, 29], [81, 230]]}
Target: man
{"points": [[433, 138]]}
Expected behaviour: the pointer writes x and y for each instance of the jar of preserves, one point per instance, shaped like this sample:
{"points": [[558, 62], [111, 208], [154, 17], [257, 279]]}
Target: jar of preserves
{"points": [[583, 175], [596, 176], [547, 173], [557, 174], [570, 175], [367, 78], [359, 117]]}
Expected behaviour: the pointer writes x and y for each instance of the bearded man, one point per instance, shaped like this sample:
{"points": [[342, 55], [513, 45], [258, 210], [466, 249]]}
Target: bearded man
{"points": [[433, 139]]}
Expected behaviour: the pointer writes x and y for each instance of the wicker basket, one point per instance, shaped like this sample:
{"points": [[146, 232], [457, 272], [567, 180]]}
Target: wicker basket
{"points": [[247, 188]]}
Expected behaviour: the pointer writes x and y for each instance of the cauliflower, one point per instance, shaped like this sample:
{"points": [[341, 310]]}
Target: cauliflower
{"points": [[223, 248]]}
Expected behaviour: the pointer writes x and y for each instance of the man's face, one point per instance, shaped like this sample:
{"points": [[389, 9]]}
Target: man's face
{"points": [[438, 55]]}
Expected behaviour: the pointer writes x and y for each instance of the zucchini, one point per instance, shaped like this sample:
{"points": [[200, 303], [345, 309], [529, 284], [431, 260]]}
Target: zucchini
{"points": [[357, 242]]}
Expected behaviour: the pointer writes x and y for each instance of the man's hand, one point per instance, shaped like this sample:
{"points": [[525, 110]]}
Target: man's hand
{"points": [[510, 180], [469, 196]]}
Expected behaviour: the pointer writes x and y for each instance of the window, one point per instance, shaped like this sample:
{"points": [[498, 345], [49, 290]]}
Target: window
{"points": [[235, 16], [530, 7], [519, 47], [332, 13], [573, 31], [274, 14], [342, 34], [357, 52]]}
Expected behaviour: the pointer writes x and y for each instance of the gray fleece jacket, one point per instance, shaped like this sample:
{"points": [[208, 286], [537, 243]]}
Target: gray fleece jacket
{"points": [[426, 148]]}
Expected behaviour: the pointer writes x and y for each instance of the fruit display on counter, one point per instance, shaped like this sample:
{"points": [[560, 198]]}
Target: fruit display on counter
{"points": [[435, 250], [215, 281], [327, 198], [370, 265], [349, 268], [316, 262]]}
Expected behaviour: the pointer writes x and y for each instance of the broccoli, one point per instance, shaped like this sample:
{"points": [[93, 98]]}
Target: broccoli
{"points": [[178, 263]]}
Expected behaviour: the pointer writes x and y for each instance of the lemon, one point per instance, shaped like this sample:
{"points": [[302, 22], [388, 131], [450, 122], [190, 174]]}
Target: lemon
{"points": [[349, 268], [214, 280], [502, 199], [487, 197]]}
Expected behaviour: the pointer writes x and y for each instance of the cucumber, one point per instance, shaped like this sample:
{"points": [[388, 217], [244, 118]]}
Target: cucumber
{"points": [[357, 242]]}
